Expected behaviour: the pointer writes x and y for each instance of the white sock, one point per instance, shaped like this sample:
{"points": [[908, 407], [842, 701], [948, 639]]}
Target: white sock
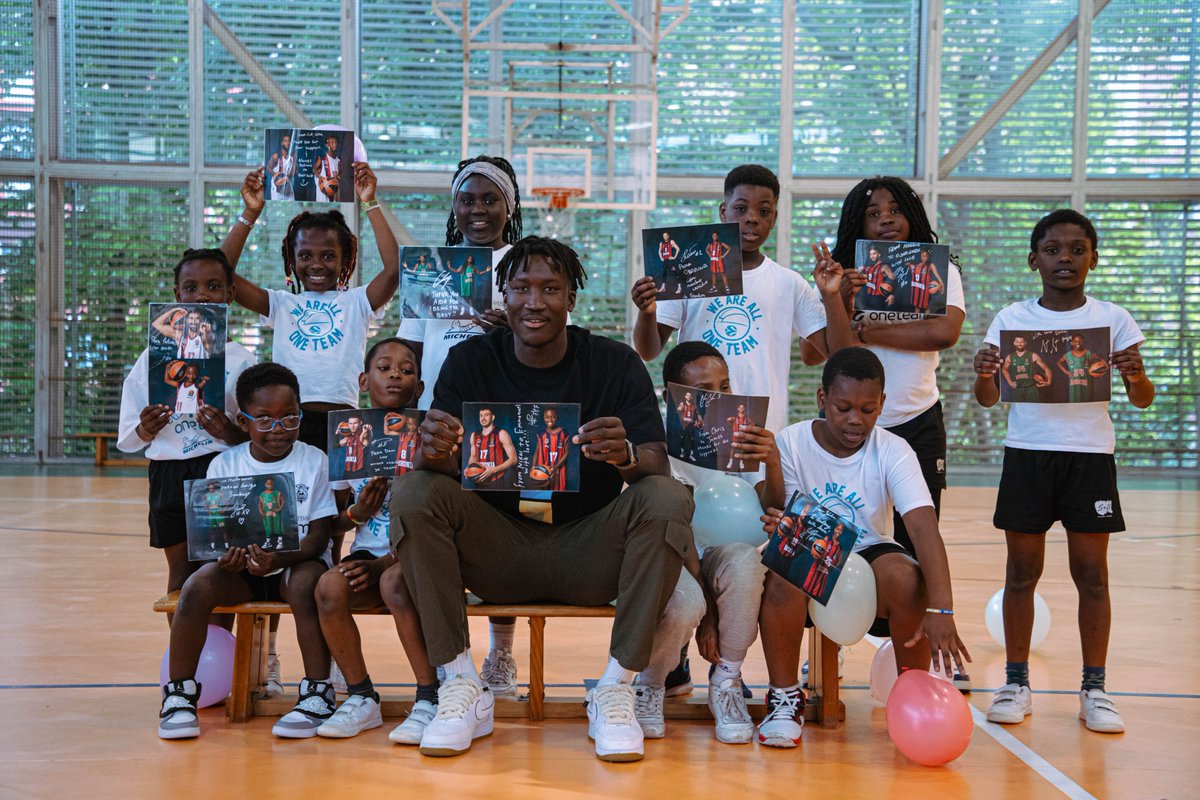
{"points": [[462, 665], [727, 670], [503, 635], [614, 673], [271, 637]]}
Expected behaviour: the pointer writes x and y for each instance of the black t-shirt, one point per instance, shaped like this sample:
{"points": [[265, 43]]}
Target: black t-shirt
{"points": [[607, 378]]}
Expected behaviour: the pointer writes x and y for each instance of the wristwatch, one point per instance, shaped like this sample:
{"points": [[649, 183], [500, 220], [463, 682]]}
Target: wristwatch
{"points": [[631, 457]]}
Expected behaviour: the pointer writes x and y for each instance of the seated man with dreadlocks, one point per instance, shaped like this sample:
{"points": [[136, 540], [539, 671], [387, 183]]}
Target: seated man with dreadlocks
{"points": [[603, 544]]}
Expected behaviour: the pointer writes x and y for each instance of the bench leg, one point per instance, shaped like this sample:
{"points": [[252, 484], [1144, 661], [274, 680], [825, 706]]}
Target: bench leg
{"points": [[826, 678], [249, 632], [537, 676]]}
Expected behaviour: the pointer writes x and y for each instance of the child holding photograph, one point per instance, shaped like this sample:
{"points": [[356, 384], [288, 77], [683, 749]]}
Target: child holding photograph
{"points": [[1059, 466], [860, 472], [180, 448], [321, 325], [485, 211], [369, 576], [753, 330], [268, 396]]}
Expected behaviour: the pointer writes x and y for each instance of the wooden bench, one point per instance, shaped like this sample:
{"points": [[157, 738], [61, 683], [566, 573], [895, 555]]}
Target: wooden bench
{"points": [[101, 443], [250, 656]]}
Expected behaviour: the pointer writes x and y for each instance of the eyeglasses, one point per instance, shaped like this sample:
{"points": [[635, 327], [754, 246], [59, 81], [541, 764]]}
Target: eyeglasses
{"points": [[267, 424]]}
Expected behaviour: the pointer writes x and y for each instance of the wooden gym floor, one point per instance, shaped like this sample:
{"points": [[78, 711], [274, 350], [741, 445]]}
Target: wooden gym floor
{"points": [[81, 649]]}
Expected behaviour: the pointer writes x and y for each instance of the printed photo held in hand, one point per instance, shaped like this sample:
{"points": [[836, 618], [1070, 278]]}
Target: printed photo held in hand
{"points": [[693, 260], [239, 512], [186, 357], [520, 447], [372, 442], [1055, 366], [810, 546], [907, 279], [701, 426], [445, 282], [309, 164]]}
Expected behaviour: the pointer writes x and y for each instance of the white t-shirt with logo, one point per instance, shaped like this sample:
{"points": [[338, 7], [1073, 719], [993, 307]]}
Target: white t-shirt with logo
{"points": [[910, 377], [372, 535], [322, 337], [1064, 427], [182, 437], [862, 488], [437, 336], [309, 468], [754, 331]]}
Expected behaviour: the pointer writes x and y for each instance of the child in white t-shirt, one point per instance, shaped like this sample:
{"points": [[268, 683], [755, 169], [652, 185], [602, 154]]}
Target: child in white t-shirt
{"points": [[180, 446], [269, 400], [753, 331], [1059, 465], [321, 326], [860, 472]]}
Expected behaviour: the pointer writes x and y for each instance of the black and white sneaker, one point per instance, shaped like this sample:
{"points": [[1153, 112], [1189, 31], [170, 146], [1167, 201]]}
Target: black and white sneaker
{"points": [[177, 719], [315, 705]]}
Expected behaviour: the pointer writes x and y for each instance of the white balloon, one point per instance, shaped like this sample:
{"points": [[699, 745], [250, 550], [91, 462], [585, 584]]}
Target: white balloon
{"points": [[851, 608], [994, 616]]}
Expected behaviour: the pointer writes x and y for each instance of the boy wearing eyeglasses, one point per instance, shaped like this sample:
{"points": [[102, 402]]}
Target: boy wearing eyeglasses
{"points": [[268, 396]]}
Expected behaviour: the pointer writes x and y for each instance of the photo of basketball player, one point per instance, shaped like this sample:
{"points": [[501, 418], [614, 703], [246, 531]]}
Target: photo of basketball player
{"points": [[735, 424], [281, 169], [214, 517], [190, 329], [924, 281], [717, 251], [825, 554], [1025, 373], [692, 422], [879, 292], [810, 551], [406, 449], [328, 171], [791, 531], [1081, 365], [491, 448], [270, 508], [443, 283], [189, 393], [668, 257], [466, 276], [355, 438], [553, 445]]}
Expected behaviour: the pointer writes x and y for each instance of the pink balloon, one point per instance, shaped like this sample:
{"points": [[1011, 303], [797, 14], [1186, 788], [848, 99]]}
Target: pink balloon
{"points": [[928, 719], [215, 670]]}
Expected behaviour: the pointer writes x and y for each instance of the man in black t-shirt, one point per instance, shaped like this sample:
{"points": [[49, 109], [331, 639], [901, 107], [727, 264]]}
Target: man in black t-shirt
{"points": [[603, 543]]}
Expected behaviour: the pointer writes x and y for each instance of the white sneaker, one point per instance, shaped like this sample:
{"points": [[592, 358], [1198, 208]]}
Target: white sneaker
{"points": [[1098, 713], [728, 707], [465, 712], [177, 719], [310, 712], [613, 724], [499, 672], [804, 669], [648, 708], [411, 730], [274, 683], [1011, 704], [337, 678], [784, 722], [355, 715]]}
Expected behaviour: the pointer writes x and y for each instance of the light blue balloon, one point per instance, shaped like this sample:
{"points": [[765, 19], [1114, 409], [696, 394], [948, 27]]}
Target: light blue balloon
{"points": [[727, 511]]}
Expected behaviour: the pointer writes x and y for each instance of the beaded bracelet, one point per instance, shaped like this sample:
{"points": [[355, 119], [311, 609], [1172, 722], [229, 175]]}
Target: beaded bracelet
{"points": [[948, 611], [370, 206], [245, 221], [350, 517]]}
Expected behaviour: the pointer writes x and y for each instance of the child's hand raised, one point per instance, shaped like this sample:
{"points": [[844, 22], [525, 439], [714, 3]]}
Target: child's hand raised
{"points": [[987, 361], [827, 273], [645, 294], [252, 191], [364, 181]]}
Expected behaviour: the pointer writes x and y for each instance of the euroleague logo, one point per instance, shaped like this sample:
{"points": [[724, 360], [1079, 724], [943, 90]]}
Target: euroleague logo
{"points": [[316, 325], [734, 323]]}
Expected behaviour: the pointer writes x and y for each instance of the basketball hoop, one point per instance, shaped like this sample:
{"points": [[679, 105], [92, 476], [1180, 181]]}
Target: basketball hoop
{"points": [[557, 221]]}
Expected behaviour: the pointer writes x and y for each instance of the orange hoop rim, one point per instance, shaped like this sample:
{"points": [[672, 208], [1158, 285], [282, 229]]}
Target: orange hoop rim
{"points": [[559, 196]]}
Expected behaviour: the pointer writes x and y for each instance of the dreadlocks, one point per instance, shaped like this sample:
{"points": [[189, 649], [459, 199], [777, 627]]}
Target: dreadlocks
{"points": [[854, 211], [320, 221], [512, 229], [561, 257]]}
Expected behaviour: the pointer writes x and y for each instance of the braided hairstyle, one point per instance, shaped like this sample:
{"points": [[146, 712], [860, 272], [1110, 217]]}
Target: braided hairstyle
{"points": [[512, 229], [561, 257], [854, 211], [320, 221]]}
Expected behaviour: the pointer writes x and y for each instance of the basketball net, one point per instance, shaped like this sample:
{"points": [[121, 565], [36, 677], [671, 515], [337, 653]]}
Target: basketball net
{"points": [[558, 220]]}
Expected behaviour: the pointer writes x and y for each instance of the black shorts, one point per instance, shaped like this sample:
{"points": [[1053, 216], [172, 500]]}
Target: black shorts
{"points": [[264, 588], [360, 555], [314, 429], [1040, 487], [168, 524]]}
